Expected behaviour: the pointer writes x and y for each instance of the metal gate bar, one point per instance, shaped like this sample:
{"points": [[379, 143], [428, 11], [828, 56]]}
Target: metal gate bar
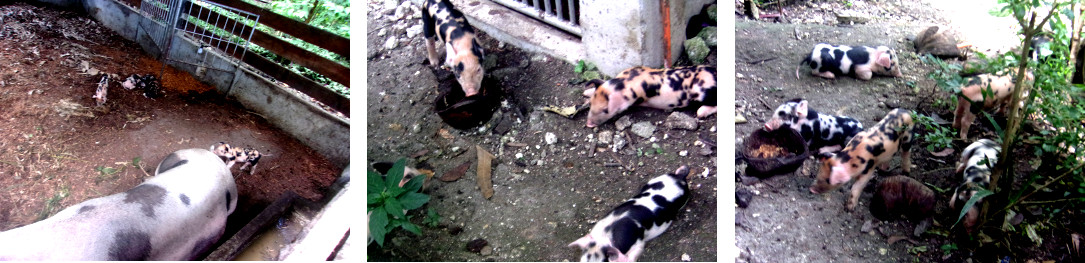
{"points": [[558, 13]]}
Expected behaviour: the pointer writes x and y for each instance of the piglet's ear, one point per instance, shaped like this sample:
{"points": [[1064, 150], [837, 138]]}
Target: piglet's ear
{"points": [[825, 156], [802, 109], [594, 83], [589, 92], [884, 60], [582, 243]]}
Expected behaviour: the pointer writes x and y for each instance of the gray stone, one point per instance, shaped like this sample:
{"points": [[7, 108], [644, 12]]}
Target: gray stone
{"points": [[709, 35], [867, 227], [623, 123], [390, 4], [382, 32], [605, 137], [678, 120], [619, 142], [851, 17], [391, 43], [696, 50], [413, 31], [643, 129], [486, 251], [712, 12]]}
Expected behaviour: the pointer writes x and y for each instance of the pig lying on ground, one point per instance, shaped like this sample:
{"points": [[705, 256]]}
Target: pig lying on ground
{"points": [[176, 215], [970, 101], [621, 235], [462, 51], [822, 132], [871, 147], [828, 61], [656, 88], [975, 166], [899, 196]]}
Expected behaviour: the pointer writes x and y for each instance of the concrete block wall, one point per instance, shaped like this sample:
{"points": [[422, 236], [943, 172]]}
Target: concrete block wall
{"points": [[616, 34], [325, 133]]}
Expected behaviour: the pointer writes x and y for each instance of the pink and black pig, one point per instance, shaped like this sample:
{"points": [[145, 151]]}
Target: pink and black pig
{"points": [[463, 53], [178, 214], [822, 132], [871, 147], [977, 161], [971, 100], [621, 235], [863, 62], [665, 89]]}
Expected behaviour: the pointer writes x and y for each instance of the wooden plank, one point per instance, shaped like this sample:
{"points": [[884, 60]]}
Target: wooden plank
{"points": [[310, 34], [330, 69], [237, 243], [305, 85]]}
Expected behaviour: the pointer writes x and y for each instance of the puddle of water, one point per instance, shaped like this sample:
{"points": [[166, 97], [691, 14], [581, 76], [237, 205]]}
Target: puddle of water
{"points": [[269, 245]]}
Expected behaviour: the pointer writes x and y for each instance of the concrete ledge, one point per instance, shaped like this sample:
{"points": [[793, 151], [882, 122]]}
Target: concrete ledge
{"points": [[511, 27]]}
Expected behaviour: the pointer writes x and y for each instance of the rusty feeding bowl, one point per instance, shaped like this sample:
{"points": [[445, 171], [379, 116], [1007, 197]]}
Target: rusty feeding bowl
{"points": [[465, 113], [770, 153]]}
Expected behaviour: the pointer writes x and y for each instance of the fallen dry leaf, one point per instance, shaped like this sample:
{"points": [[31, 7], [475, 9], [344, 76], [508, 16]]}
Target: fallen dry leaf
{"points": [[1075, 238], [895, 239], [444, 134], [419, 154], [943, 153], [455, 173], [484, 181], [516, 144], [567, 112]]}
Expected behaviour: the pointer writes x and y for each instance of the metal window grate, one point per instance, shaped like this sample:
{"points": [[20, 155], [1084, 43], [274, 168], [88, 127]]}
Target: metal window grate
{"points": [[563, 14], [212, 24]]}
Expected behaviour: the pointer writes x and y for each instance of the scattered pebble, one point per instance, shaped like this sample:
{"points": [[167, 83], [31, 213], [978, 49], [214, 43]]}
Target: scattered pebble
{"points": [[682, 121], [643, 129], [683, 153], [685, 257], [623, 122], [743, 197], [551, 138], [867, 227]]}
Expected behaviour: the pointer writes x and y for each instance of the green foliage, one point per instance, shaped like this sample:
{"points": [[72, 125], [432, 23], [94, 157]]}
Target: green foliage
{"points": [[585, 71], [917, 250], [948, 249], [980, 194], [53, 203], [387, 202], [432, 218], [945, 75], [937, 136]]}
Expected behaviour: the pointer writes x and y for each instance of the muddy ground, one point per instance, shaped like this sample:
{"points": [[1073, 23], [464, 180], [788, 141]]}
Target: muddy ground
{"points": [[784, 221], [57, 148], [550, 196]]}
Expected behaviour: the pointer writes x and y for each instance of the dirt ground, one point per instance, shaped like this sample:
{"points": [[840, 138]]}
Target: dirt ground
{"points": [[58, 149], [784, 221], [550, 196]]}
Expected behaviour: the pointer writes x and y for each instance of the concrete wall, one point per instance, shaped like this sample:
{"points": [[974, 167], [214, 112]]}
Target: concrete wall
{"points": [[325, 133], [616, 34]]}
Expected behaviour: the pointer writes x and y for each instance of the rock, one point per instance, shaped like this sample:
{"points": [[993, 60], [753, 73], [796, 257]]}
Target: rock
{"points": [[706, 151], [619, 142], [851, 17], [605, 137], [390, 4], [751, 9], [489, 63], [486, 251], [683, 153], [709, 35], [382, 32], [696, 50], [739, 119], [551, 138], [685, 257], [623, 123], [391, 43], [678, 120], [455, 230], [867, 227], [743, 197], [476, 245], [643, 129], [413, 31]]}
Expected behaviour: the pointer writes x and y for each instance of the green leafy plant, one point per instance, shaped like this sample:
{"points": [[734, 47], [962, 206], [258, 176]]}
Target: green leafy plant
{"points": [[388, 203], [432, 218], [937, 136], [586, 71]]}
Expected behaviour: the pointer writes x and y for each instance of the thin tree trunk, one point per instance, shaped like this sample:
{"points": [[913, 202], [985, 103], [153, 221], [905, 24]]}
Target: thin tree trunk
{"points": [[312, 11]]}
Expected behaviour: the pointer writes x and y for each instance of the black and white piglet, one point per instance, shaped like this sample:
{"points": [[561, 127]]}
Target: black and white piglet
{"points": [[975, 166], [822, 132], [152, 88], [178, 214], [863, 62], [621, 235]]}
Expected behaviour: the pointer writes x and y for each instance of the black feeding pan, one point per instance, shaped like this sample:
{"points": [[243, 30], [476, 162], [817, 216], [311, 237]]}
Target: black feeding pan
{"points": [[465, 113], [794, 152]]}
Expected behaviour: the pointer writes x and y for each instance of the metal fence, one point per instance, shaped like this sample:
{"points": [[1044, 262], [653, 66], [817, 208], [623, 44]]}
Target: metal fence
{"points": [[563, 14]]}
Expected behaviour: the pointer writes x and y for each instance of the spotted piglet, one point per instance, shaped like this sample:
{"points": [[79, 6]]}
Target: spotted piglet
{"points": [[863, 62], [822, 132], [176, 215], [100, 93], [621, 235], [463, 53], [871, 147], [975, 166], [971, 100], [656, 88]]}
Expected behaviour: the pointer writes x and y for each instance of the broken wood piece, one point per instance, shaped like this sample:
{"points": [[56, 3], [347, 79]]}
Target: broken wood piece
{"points": [[485, 183]]}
